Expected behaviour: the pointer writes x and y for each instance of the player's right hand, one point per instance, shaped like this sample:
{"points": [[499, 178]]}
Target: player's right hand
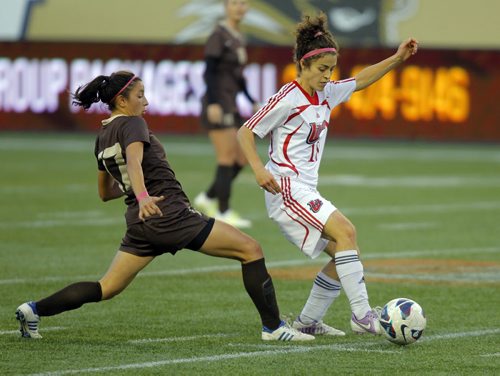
{"points": [[266, 181]]}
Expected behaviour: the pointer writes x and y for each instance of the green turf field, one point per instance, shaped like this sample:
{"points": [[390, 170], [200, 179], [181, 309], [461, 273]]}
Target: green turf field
{"points": [[428, 223]]}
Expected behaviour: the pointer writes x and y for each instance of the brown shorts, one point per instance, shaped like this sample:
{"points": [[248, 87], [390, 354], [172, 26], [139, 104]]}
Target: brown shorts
{"points": [[229, 120], [167, 234]]}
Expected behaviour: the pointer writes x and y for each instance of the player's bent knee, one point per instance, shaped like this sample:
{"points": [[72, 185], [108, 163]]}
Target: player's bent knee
{"points": [[251, 250], [350, 233]]}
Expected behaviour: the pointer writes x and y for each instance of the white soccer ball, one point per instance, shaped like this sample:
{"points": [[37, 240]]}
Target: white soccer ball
{"points": [[403, 321]]}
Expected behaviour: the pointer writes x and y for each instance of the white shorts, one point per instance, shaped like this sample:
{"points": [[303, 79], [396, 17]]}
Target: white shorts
{"points": [[301, 213]]}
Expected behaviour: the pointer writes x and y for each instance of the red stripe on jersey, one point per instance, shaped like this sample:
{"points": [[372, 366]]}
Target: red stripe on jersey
{"points": [[290, 165], [294, 206], [300, 109], [255, 119]]}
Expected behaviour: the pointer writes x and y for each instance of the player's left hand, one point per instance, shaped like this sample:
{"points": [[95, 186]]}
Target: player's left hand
{"points": [[148, 207], [408, 48]]}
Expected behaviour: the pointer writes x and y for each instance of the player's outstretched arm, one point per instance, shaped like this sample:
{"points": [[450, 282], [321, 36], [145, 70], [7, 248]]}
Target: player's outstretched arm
{"points": [[374, 72]]}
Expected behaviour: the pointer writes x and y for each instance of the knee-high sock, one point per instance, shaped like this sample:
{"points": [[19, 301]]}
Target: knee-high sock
{"points": [[212, 191], [221, 187], [259, 286], [236, 170], [324, 291], [350, 271], [70, 297]]}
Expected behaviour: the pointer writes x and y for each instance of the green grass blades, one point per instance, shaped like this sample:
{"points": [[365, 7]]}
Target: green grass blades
{"points": [[427, 218]]}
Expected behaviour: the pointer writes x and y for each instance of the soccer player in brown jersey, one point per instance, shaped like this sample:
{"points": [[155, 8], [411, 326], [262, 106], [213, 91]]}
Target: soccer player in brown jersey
{"points": [[132, 164], [225, 58]]}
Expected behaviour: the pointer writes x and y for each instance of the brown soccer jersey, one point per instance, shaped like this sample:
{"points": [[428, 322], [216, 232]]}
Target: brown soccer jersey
{"points": [[179, 224], [228, 47]]}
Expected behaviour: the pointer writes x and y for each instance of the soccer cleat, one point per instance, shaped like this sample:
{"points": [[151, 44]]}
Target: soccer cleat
{"points": [[285, 333], [234, 219], [28, 320], [206, 204], [368, 324], [316, 328]]}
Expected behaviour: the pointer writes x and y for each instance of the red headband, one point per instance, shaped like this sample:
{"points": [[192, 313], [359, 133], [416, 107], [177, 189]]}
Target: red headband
{"points": [[317, 52], [123, 88]]}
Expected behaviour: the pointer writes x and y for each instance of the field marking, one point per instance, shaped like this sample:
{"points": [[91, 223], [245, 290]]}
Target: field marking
{"points": [[48, 329], [412, 181], [44, 223], [474, 333], [274, 351], [423, 208], [177, 339], [403, 226], [488, 277], [202, 147], [270, 264], [94, 219], [489, 355]]}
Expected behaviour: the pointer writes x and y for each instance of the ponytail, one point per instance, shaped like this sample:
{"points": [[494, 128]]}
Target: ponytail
{"points": [[104, 89]]}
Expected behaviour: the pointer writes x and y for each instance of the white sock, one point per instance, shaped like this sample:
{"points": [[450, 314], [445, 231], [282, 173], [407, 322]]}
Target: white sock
{"points": [[322, 295], [350, 271]]}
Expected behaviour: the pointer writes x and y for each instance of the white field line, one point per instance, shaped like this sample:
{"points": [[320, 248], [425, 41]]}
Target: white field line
{"points": [[268, 351], [490, 355], [490, 276], [177, 339], [412, 181], [387, 151], [423, 208], [48, 329], [270, 264], [94, 219], [44, 223], [403, 226]]}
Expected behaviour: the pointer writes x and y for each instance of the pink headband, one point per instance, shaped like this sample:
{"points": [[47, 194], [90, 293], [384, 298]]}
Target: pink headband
{"points": [[317, 52], [123, 88]]}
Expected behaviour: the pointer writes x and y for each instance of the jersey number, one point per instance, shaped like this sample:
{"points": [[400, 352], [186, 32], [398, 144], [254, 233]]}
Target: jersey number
{"points": [[314, 152]]}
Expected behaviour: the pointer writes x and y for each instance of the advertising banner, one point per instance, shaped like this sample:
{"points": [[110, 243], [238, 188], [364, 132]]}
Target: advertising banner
{"points": [[444, 95]]}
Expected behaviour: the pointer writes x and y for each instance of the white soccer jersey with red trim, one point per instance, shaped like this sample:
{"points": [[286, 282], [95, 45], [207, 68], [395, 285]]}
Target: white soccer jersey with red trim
{"points": [[298, 124]]}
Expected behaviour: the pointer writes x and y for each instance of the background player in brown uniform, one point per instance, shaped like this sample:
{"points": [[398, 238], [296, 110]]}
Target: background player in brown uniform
{"points": [[225, 57], [132, 163]]}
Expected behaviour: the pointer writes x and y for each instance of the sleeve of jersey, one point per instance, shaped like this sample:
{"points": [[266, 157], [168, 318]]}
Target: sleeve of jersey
{"points": [[214, 45], [340, 91], [273, 115], [134, 130], [100, 165]]}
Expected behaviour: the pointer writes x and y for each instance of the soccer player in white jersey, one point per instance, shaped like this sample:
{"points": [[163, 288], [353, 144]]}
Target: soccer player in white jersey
{"points": [[296, 118]]}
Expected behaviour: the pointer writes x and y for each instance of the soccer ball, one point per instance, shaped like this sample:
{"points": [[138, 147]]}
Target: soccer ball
{"points": [[403, 321]]}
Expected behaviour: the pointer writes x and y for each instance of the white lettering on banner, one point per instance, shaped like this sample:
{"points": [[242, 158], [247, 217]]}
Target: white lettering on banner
{"points": [[32, 85], [261, 84], [172, 87]]}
